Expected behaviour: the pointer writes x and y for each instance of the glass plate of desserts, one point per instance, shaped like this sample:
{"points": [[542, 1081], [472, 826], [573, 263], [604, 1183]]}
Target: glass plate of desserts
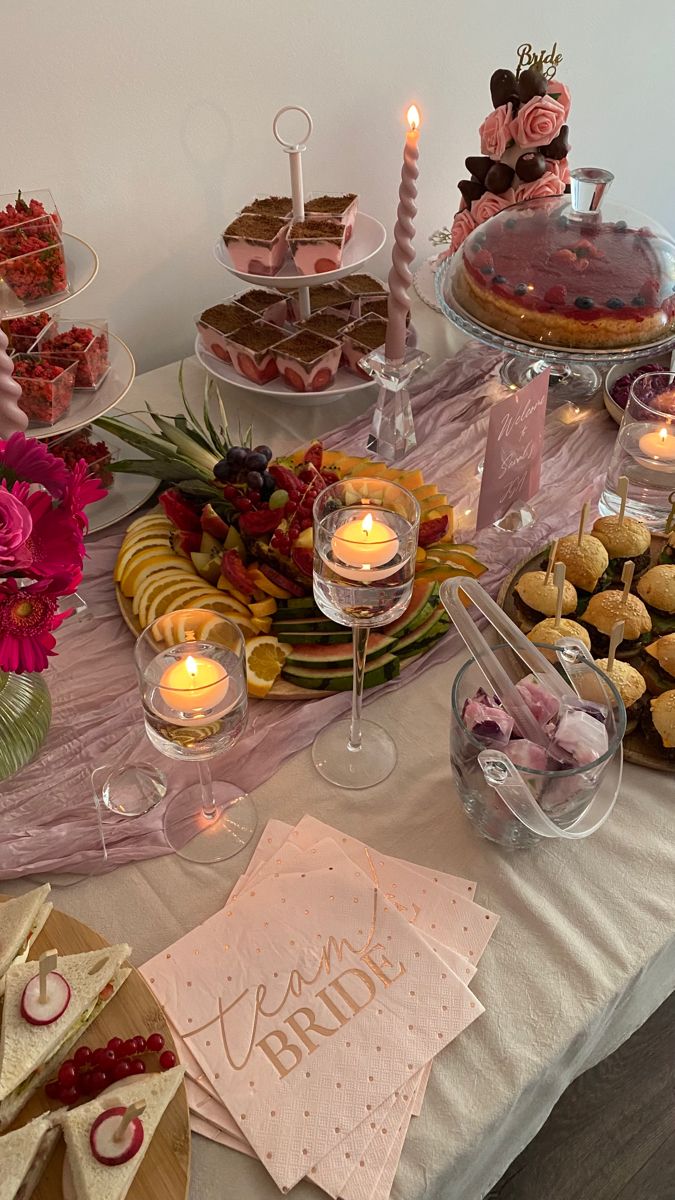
{"points": [[258, 339], [264, 242], [566, 282]]}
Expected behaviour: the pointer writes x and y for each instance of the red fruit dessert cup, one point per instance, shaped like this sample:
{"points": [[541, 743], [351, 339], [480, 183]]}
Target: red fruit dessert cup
{"points": [[326, 323], [338, 208], [362, 288], [307, 361], [360, 338], [331, 297], [272, 206], [71, 447], [46, 387], [85, 343], [316, 245], [18, 208], [32, 262], [257, 243], [265, 305], [251, 353], [218, 323], [23, 333]]}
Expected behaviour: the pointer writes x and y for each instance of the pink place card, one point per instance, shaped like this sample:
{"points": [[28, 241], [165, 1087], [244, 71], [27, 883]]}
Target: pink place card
{"points": [[515, 440]]}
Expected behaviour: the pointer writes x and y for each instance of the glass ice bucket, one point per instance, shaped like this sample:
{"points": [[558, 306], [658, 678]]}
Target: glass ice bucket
{"points": [[517, 807]]}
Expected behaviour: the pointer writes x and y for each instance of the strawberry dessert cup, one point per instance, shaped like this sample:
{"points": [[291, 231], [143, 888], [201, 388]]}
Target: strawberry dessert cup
{"points": [[326, 323], [257, 243], [361, 338], [87, 345], [46, 387], [218, 323], [24, 332], [32, 261], [307, 361], [271, 206], [251, 351], [362, 288], [73, 446], [325, 297], [338, 208], [316, 245], [265, 305]]}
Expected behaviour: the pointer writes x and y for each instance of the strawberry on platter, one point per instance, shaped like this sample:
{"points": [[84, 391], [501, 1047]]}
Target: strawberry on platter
{"points": [[233, 535]]}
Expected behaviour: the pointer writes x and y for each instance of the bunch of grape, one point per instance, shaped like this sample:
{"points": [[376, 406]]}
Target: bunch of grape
{"points": [[88, 1072], [242, 466]]}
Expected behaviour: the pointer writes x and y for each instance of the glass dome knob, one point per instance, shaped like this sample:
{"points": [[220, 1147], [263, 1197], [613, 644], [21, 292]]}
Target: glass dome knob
{"points": [[589, 185]]}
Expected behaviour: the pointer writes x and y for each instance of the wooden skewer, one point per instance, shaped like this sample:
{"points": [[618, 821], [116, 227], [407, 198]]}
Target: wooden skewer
{"points": [[627, 579], [559, 578], [670, 523], [615, 641], [551, 562], [582, 522], [623, 492], [134, 1110], [47, 963]]}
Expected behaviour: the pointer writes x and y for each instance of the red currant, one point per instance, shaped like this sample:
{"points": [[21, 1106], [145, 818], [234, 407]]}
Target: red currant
{"points": [[254, 496], [82, 1056], [115, 1044], [155, 1043], [140, 1043], [83, 1084], [122, 1069], [67, 1074], [104, 1058], [167, 1060], [68, 1095], [53, 1089], [230, 492], [137, 1067], [128, 1048], [243, 504], [97, 1081]]}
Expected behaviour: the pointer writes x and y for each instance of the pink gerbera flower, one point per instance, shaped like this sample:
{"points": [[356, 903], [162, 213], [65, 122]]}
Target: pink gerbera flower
{"points": [[55, 541], [83, 489], [28, 617], [25, 458]]}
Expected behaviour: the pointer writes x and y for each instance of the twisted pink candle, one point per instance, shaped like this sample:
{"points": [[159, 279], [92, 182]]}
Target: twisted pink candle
{"points": [[11, 416], [400, 276]]}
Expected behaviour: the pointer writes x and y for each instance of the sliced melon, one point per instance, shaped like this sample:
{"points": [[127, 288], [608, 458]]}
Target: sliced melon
{"points": [[423, 593], [302, 655], [340, 679], [303, 625], [434, 626]]}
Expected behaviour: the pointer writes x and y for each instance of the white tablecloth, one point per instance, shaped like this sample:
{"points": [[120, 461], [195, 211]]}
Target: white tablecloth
{"points": [[584, 953]]}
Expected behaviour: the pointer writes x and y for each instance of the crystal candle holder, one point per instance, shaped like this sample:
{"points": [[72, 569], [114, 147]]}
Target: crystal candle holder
{"points": [[365, 542], [392, 433], [644, 452], [191, 668]]}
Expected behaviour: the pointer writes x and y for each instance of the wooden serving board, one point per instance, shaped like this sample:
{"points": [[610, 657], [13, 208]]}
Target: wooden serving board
{"points": [[636, 747], [165, 1170]]}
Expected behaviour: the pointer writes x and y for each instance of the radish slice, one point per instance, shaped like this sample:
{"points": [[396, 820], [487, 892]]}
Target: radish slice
{"points": [[102, 1137], [58, 999]]}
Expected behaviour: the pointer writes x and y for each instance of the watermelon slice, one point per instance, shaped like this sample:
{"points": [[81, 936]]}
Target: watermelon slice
{"points": [[340, 679], [317, 655], [423, 592]]}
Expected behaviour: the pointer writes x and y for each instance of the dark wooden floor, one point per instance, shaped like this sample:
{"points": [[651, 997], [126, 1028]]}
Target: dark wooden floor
{"points": [[612, 1135]]}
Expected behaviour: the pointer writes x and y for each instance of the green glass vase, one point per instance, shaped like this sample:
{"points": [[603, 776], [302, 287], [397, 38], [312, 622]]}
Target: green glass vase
{"points": [[25, 713]]}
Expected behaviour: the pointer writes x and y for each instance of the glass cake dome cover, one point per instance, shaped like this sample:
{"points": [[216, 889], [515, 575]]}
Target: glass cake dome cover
{"points": [[569, 271]]}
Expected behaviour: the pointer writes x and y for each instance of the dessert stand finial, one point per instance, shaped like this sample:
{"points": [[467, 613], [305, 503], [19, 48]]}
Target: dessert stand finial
{"points": [[294, 151]]}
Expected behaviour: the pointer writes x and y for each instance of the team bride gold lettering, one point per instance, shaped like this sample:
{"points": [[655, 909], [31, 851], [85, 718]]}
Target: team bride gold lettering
{"points": [[339, 1000], [546, 61]]}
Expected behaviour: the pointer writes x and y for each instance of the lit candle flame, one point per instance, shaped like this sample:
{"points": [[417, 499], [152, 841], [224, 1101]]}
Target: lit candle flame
{"points": [[663, 434], [413, 117], [367, 523], [190, 665]]}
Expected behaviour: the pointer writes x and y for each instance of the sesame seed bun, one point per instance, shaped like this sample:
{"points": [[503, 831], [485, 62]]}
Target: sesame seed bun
{"points": [[605, 609], [657, 587], [628, 539], [543, 597], [548, 634], [663, 650], [628, 682], [585, 562], [663, 716]]}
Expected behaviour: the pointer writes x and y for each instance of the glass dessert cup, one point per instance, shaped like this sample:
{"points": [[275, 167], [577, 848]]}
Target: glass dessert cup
{"points": [[46, 387], [360, 338], [644, 452], [337, 208], [25, 333], [191, 668], [365, 541], [604, 294], [316, 245], [32, 263], [325, 297], [257, 243], [270, 306], [83, 342], [251, 351], [308, 361], [220, 322], [562, 797]]}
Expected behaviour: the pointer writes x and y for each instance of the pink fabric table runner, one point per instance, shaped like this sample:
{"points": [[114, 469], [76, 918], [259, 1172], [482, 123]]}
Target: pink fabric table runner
{"points": [[48, 821]]}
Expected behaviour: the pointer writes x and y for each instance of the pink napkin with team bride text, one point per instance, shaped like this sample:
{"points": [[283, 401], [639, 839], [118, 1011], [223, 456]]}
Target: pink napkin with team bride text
{"points": [[308, 1003]]}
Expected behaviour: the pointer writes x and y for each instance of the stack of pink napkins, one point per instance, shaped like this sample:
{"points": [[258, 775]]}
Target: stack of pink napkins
{"points": [[308, 1011]]}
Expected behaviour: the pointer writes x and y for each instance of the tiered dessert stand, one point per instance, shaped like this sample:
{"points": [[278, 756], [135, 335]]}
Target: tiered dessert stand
{"points": [[82, 268], [368, 238]]}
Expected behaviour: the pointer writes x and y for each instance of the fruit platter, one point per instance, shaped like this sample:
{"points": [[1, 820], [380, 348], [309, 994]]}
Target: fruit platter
{"points": [[594, 599], [238, 540]]}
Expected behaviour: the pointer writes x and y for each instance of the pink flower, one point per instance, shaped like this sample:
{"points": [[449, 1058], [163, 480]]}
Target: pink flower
{"points": [[495, 132], [24, 458], [54, 547], [462, 226], [537, 122], [558, 91], [547, 185], [83, 489], [27, 618], [560, 168], [15, 526], [490, 204]]}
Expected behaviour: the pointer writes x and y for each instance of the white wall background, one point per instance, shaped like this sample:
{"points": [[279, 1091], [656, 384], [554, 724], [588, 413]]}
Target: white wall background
{"points": [[151, 119]]}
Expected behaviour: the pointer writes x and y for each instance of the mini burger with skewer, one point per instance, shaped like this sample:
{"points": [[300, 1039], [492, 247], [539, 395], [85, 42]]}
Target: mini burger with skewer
{"points": [[628, 681], [606, 608], [584, 556]]}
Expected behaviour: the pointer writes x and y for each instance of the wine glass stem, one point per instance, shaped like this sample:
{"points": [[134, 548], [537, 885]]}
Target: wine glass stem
{"points": [[208, 805], [360, 644]]}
